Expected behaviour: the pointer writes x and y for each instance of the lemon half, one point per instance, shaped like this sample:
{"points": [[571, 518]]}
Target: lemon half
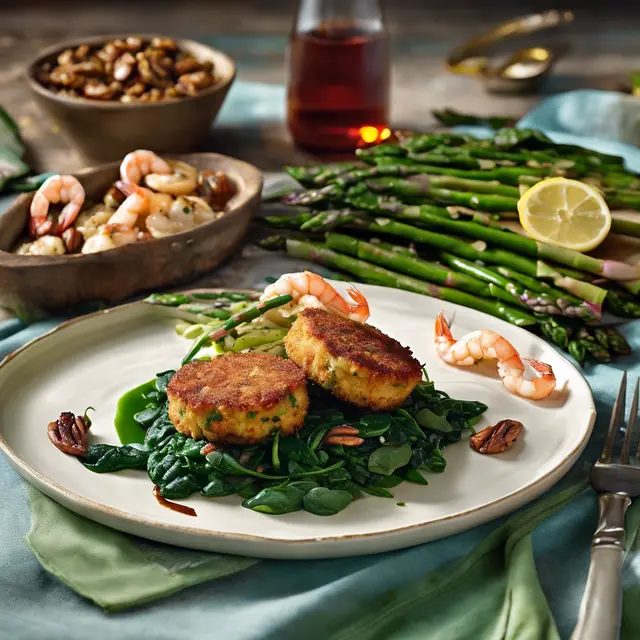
{"points": [[566, 213]]}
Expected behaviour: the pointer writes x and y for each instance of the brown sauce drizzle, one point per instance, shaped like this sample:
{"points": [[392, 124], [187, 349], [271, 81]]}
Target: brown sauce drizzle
{"points": [[174, 506]]}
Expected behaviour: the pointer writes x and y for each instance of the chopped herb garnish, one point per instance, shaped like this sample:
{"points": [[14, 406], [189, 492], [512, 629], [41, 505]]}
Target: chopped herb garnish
{"points": [[251, 415], [187, 210], [216, 416], [401, 504], [293, 400], [264, 419]]}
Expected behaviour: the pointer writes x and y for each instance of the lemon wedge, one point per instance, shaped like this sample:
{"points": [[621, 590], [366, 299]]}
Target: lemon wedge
{"points": [[566, 213]]}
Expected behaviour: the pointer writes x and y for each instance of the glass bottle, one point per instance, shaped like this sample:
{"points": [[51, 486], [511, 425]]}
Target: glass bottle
{"points": [[338, 74]]}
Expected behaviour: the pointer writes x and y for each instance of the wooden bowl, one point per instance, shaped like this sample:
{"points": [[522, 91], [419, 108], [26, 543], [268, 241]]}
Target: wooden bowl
{"points": [[104, 131], [29, 284]]}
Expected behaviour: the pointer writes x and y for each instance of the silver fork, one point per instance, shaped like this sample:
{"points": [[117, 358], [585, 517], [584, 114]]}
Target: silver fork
{"points": [[617, 482]]}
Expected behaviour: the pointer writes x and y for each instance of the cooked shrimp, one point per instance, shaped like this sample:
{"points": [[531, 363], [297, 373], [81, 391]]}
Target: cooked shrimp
{"points": [[126, 216], [311, 290], [43, 246], [180, 181], [106, 239], [484, 343], [89, 220], [140, 163], [158, 202], [55, 189]]}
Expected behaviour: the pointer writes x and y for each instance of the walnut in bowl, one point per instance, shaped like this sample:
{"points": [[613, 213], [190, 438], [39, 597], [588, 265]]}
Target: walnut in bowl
{"points": [[116, 93]]}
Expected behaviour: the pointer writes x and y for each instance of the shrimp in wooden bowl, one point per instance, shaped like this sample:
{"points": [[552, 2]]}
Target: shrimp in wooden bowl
{"points": [[484, 343], [65, 189], [154, 198]]}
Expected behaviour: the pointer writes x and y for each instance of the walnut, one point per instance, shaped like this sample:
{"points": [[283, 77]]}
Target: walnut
{"points": [[69, 433], [123, 66], [192, 83], [187, 64], [498, 438]]}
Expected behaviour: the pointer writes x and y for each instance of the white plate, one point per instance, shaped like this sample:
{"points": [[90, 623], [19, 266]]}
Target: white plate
{"points": [[95, 359]]}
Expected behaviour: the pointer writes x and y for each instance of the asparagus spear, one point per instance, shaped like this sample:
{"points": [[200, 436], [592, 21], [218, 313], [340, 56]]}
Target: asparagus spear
{"points": [[249, 314], [314, 196], [320, 254], [522, 264], [505, 175], [622, 304], [309, 176], [326, 220], [451, 118], [544, 300], [489, 196], [427, 141], [608, 268], [286, 222], [404, 263]]}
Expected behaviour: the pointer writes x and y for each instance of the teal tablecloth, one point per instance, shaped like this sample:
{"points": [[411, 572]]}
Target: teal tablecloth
{"points": [[411, 593]]}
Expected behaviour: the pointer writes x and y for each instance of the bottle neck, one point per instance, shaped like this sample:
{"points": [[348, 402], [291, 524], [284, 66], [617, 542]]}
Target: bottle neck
{"points": [[365, 15]]}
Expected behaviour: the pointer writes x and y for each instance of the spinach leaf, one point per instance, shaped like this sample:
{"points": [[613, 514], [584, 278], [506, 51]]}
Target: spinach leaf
{"points": [[162, 380], [228, 465], [276, 500], [147, 416], [326, 502], [323, 458], [430, 420], [180, 487], [386, 459], [374, 424], [159, 433], [380, 492], [218, 486], [314, 440], [105, 458], [414, 475], [295, 449], [388, 482]]}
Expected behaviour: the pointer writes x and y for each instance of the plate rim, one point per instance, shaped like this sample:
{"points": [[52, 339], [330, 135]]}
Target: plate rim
{"points": [[28, 472]]}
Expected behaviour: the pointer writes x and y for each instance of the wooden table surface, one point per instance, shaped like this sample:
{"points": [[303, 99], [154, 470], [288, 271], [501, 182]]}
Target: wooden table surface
{"points": [[602, 47]]}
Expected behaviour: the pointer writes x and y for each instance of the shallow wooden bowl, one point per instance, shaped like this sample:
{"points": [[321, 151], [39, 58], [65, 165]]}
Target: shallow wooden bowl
{"points": [[32, 283], [104, 131]]}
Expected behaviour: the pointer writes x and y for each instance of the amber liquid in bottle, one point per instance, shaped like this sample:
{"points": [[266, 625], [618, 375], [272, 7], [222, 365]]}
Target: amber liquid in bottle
{"points": [[338, 83]]}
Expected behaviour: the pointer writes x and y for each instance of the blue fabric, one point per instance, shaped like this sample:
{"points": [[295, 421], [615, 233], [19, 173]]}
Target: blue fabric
{"points": [[281, 599]]}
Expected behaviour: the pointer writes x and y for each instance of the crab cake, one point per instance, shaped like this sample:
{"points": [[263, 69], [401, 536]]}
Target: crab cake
{"points": [[238, 398], [355, 361]]}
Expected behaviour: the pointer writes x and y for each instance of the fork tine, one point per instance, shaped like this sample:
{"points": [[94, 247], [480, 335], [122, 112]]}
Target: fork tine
{"points": [[616, 420], [624, 454]]}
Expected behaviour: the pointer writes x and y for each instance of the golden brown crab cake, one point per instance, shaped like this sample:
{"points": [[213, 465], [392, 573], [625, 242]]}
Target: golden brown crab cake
{"points": [[238, 398], [355, 361]]}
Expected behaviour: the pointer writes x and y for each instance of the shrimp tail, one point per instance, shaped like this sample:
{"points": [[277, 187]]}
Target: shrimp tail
{"points": [[442, 327], [39, 228], [542, 368], [361, 311], [129, 188]]}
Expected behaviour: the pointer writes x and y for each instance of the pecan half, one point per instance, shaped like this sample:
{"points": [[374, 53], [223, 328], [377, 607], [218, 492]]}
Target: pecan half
{"points": [[345, 441], [69, 434], [343, 430], [498, 438]]}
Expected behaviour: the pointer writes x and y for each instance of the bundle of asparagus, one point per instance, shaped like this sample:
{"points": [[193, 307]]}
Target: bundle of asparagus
{"points": [[424, 214]]}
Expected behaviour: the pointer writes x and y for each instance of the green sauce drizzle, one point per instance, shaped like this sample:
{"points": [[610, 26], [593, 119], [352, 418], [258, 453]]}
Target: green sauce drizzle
{"points": [[129, 404]]}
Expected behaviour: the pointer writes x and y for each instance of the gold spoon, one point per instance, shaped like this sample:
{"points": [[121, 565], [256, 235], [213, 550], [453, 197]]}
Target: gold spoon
{"points": [[524, 67]]}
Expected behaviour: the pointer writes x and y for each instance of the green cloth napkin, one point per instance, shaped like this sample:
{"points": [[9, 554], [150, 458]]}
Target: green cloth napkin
{"points": [[114, 569]]}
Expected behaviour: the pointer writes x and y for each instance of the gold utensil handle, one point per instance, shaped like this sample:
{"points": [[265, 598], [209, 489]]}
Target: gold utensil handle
{"points": [[469, 53]]}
